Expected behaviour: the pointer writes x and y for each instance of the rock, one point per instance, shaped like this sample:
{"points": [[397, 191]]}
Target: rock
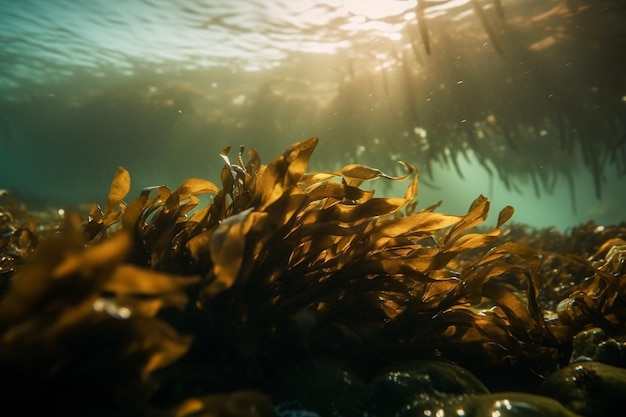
{"points": [[588, 388], [595, 345], [502, 404], [320, 387], [404, 387]]}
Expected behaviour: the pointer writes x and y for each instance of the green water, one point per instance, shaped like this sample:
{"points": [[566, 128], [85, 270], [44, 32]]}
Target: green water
{"points": [[531, 107]]}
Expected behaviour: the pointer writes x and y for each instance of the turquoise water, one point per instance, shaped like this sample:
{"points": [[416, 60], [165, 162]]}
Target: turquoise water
{"points": [[530, 107]]}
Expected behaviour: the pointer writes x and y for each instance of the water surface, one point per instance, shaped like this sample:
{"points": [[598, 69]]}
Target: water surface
{"points": [[527, 106]]}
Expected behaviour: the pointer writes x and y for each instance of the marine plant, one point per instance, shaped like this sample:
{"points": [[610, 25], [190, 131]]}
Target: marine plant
{"points": [[166, 304]]}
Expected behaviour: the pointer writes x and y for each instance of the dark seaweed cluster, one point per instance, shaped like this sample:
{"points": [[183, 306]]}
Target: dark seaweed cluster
{"points": [[19, 236], [188, 301]]}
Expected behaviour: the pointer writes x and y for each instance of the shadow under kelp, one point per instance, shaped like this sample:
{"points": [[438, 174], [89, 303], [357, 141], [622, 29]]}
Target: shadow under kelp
{"points": [[281, 265]]}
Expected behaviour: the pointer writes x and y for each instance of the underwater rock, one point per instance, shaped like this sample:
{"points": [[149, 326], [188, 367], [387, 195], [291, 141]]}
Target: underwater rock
{"points": [[588, 388], [594, 345], [320, 387], [502, 404], [398, 390]]}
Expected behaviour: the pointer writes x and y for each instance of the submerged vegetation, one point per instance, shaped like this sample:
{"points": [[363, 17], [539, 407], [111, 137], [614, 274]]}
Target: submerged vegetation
{"points": [[198, 300]]}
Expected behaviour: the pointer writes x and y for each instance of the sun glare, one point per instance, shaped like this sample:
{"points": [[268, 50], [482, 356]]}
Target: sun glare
{"points": [[376, 9]]}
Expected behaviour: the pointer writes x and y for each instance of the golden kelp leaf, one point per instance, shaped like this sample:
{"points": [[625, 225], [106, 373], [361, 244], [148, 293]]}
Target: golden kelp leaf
{"points": [[140, 214], [314, 178], [224, 154], [187, 205], [161, 194], [476, 214], [355, 174], [200, 215], [330, 189], [474, 278], [419, 222], [64, 318], [226, 177], [103, 255], [125, 307], [361, 172], [297, 157], [270, 183], [411, 191], [160, 342], [496, 340], [130, 279], [348, 213], [433, 206], [476, 240], [505, 215], [135, 208], [471, 241], [357, 195], [60, 264], [254, 163], [392, 304], [505, 249], [614, 265], [364, 173], [119, 188], [607, 246], [95, 213], [227, 245], [199, 245], [439, 290], [284, 208], [284, 172], [523, 325], [269, 178], [316, 230], [195, 186]]}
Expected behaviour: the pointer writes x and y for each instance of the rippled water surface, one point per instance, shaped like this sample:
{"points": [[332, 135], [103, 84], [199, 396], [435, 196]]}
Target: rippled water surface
{"points": [[69, 36], [523, 101]]}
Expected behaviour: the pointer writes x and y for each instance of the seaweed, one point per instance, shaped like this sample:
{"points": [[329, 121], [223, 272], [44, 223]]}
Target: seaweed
{"points": [[76, 319], [164, 304], [19, 236]]}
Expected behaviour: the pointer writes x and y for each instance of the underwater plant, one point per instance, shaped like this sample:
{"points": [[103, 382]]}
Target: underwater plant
{"points": [[164, 304]]}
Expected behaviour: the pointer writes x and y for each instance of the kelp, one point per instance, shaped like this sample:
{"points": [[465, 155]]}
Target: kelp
{"points": [[19, 236], [169, 303], [77, 319]]}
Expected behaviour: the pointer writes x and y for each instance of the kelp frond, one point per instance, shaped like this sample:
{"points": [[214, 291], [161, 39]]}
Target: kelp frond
{"points": [[78, 318], [283, 263]]}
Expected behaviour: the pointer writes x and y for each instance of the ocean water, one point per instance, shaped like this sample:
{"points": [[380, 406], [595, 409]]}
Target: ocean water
{"points": [[523, 101]]}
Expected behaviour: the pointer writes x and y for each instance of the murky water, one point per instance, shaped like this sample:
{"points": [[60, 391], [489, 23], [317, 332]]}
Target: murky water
{"points": [[527, 106]]}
